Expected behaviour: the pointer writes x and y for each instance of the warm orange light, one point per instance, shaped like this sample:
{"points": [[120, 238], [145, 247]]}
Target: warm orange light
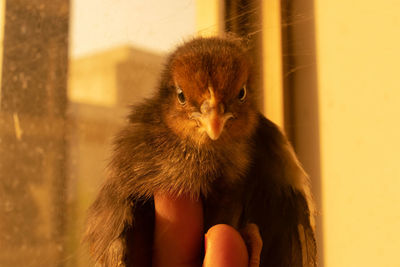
{"points": [[272, 61], [209, 17], [359, 100]]}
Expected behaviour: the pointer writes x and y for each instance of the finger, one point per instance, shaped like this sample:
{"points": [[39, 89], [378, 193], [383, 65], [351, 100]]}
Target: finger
{"points": [[252, 237], [225, 247], [178, 231]]}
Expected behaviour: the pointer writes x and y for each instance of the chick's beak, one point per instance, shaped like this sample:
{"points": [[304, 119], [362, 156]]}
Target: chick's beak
{"points": [[214, 123], [212, 118]]}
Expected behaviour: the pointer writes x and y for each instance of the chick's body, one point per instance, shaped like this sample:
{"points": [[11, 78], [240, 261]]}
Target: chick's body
{"points": [[201, 135]]}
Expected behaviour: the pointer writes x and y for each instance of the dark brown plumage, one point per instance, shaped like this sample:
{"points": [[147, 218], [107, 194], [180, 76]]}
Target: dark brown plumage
{"points": [[201, 134]]}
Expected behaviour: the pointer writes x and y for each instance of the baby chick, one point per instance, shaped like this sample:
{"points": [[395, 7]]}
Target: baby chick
{"points": [[201, 135]]}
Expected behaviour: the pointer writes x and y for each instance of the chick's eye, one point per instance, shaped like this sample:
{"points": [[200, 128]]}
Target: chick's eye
{"points": [[242, 93], [181, 96]]}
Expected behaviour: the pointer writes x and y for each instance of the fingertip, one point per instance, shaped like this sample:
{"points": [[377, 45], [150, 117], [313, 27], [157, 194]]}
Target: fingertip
{"points": [[225, 247]]}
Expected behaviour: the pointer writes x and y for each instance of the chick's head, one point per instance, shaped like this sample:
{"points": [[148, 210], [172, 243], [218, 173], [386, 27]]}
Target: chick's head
{"points": [[207, 97]]}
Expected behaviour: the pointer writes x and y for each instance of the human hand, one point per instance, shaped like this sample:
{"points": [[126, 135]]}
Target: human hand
{"points": [[178, 238]]}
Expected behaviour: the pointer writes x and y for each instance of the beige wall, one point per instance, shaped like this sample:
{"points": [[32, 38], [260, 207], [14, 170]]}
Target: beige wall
{"points": [[359, 100]]}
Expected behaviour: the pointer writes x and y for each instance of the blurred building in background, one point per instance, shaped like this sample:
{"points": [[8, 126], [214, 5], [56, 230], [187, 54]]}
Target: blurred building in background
{"points": [[56, 125]]}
